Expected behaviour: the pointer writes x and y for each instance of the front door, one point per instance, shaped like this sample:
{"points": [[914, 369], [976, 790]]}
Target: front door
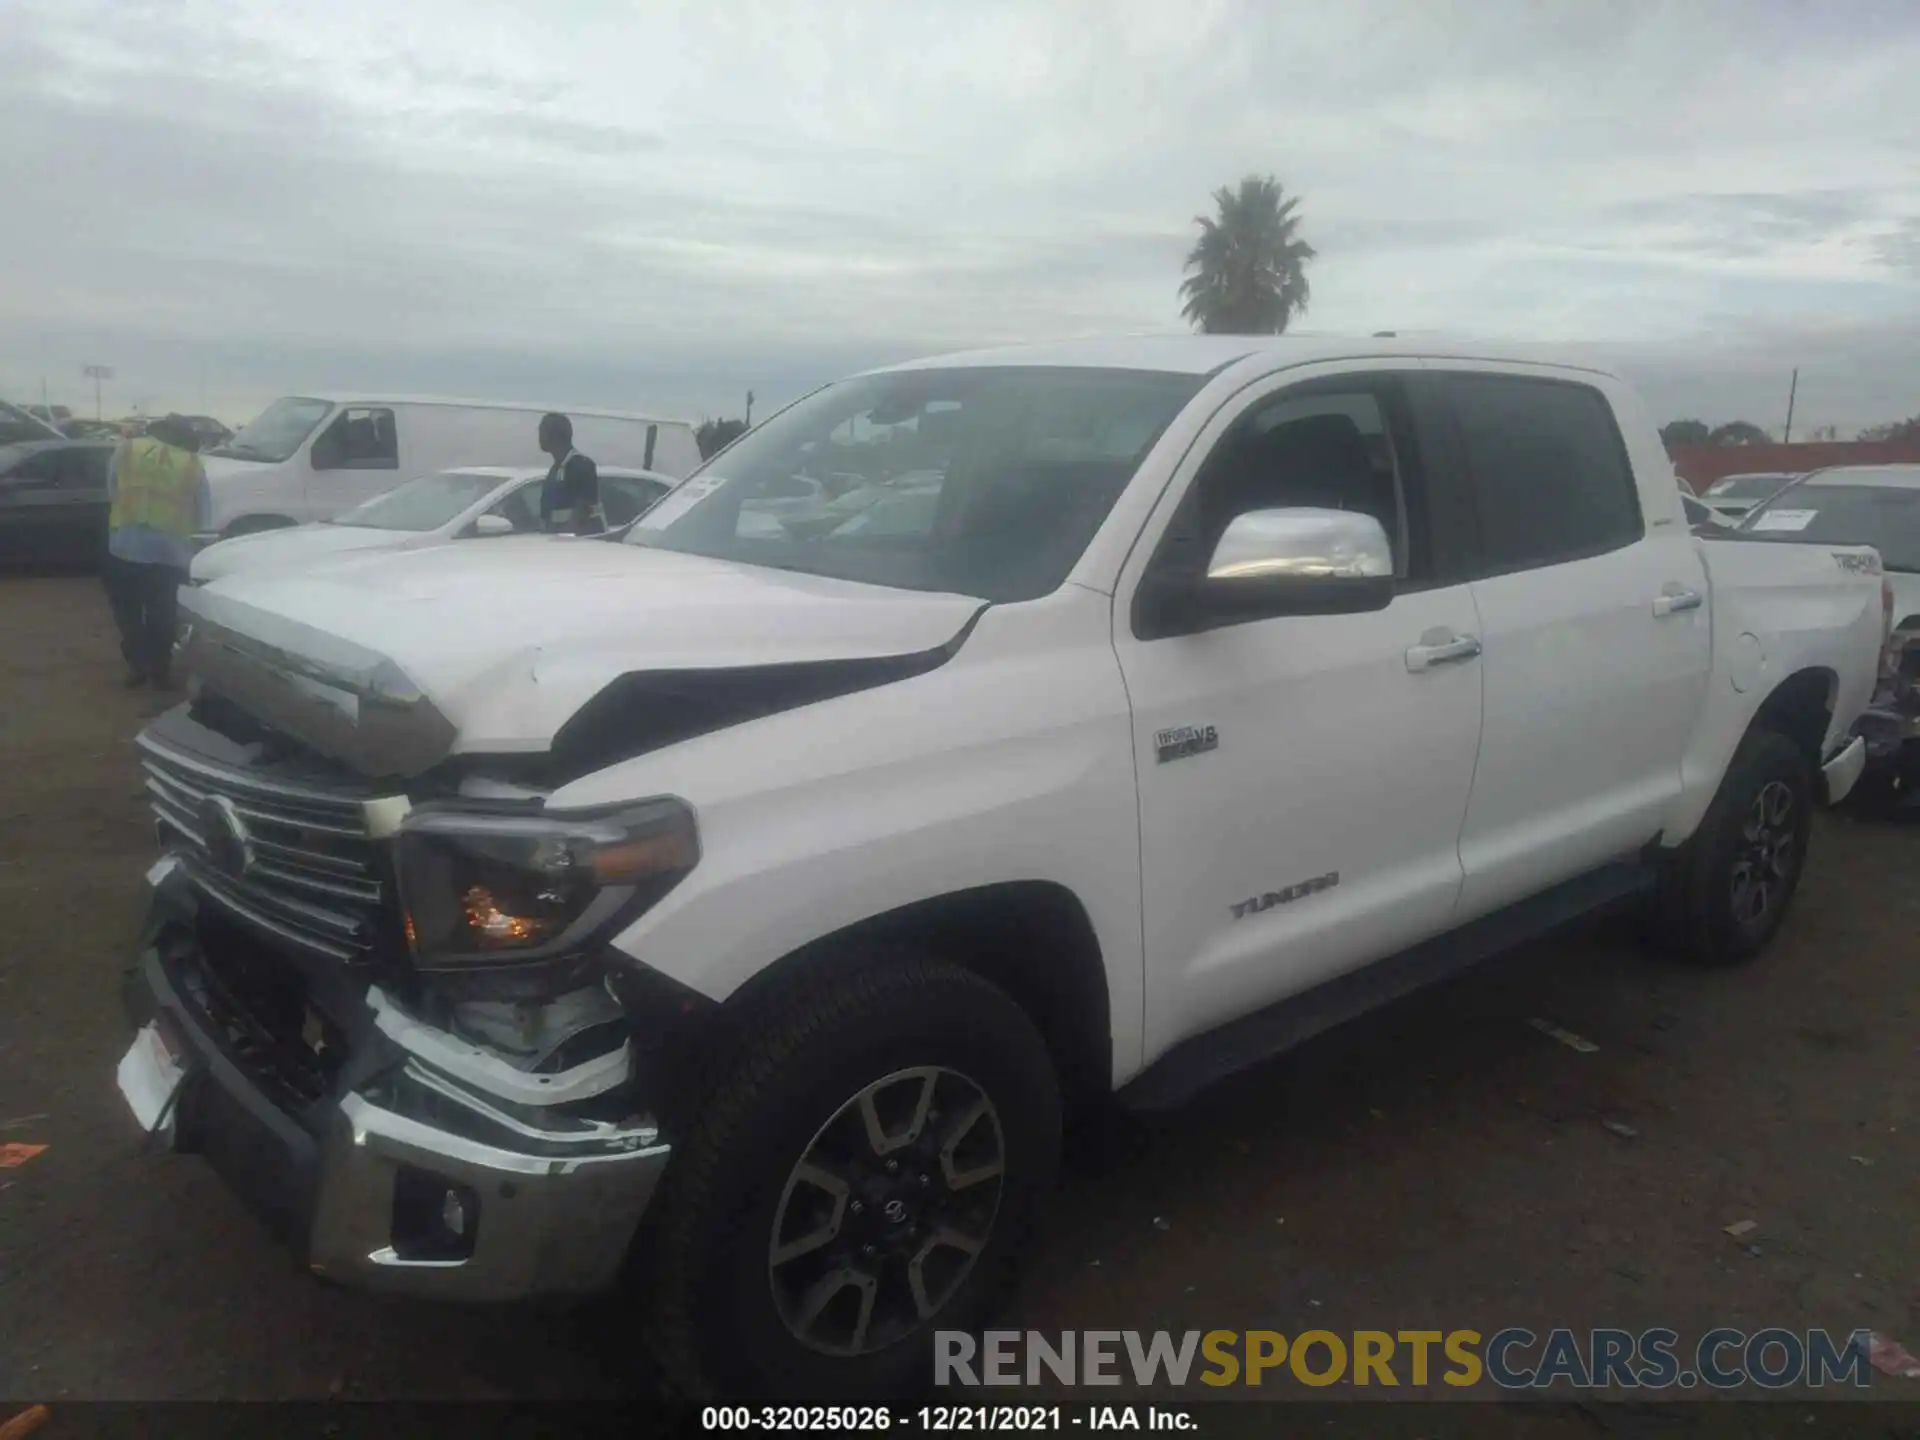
{"points": [[354, 457], [1303, 778]]}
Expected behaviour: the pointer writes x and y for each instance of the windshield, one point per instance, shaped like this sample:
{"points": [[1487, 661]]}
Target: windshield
{"points": [[1886, 517], [1747, 487], [425, 503], [993, 479], [277, 431]]}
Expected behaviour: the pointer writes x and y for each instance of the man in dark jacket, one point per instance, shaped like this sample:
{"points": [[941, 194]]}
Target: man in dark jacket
{"points": [[570, 498]]}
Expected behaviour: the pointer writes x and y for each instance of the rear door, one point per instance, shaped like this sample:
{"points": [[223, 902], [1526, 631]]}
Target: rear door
{"points": [[1594, 627]]}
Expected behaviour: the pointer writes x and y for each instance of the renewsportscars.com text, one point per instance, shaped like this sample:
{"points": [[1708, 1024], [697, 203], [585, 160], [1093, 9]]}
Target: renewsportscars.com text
{"points": [[1511, 1359]]}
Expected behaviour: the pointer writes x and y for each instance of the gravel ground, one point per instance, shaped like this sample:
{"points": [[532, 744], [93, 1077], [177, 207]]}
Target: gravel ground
{"points": [[1438, 1165]]}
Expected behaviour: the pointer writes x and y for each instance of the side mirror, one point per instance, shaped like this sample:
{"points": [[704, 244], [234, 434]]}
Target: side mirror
{"points": [[491, 524], [1269, 563], [1299, 562]]}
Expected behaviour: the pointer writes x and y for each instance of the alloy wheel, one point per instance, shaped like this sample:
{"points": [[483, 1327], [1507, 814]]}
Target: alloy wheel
{"points": [[886, 1211], [1768, 855]]}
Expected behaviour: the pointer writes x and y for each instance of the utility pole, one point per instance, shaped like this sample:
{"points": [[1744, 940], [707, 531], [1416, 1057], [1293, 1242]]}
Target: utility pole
{"points": [[97, 373], [749, 409], [1792, 391]]}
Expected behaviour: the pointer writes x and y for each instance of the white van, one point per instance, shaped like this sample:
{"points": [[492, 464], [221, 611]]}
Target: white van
{"points": [[310, 457]]}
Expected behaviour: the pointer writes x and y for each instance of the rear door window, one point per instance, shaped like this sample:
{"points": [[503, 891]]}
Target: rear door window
{"points": [[1550, 475]]}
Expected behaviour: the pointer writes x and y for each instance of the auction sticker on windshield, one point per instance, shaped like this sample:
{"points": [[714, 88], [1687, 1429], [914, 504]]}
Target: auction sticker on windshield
{"points": [[1785, 519]]}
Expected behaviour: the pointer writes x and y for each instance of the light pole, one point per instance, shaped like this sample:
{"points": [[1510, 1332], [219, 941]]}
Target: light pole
{"points": [[749, 409], [97, 373]]}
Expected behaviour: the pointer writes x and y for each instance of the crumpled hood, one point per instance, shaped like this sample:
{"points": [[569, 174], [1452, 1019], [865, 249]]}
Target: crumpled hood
{"points": [[298, 545], [504, 640]]}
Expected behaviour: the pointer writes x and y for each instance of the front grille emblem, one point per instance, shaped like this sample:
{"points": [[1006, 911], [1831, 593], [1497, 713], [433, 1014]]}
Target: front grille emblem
{"points": [[229, 846]]}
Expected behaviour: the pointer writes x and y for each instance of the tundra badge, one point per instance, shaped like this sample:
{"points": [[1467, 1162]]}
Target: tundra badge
{"points": [[1286, 896], [1184, 740]]}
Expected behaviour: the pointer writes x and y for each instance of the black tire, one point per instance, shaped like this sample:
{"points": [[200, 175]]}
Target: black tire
{"points": [[1734, 881], [707, 1254]]}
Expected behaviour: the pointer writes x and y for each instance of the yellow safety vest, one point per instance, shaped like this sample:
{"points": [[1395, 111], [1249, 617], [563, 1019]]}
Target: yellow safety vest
{"points": [[156, 485]]}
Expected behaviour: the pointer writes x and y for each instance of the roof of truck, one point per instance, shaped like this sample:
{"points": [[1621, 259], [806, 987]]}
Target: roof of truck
{"points": [[1204, 354], [336, 397]]}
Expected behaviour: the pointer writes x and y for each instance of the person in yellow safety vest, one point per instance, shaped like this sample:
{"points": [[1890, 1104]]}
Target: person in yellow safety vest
{"points": [[158, 499]]}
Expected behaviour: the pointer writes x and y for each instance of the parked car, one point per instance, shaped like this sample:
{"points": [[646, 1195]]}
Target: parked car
{"points": [[471, 503], [312, 457], [1734, 495], [53, 503], [1877, 505], [754, 906]]}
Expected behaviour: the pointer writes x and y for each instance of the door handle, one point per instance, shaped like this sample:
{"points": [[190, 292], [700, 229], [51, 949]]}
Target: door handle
{"points": [[1441, 647], [1674, 600]]}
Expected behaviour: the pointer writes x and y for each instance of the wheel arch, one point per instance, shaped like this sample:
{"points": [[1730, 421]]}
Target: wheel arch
{"points": [[1032, 938], [1801, 708]]}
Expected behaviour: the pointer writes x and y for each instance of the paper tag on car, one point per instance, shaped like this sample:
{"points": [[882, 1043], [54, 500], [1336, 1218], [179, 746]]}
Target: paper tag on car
{"points": [[150, 1074], [1784, 519]]}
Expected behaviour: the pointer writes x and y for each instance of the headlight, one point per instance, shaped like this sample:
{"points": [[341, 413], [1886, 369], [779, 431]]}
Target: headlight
{"points": [[483, 889]]}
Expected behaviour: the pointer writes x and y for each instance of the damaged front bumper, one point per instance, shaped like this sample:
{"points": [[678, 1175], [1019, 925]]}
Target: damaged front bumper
{"points": [[428, 1166]]}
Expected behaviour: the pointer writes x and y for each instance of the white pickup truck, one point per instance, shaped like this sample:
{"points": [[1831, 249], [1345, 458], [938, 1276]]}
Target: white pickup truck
{"points": [[748, 904]]}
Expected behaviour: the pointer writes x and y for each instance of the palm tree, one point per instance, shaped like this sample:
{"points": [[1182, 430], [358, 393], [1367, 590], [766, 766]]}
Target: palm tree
{"points": [[1248, 270]]}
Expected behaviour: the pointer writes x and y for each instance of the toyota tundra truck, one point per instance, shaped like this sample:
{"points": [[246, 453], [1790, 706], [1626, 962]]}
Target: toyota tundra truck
{"points": [[730, 912]]}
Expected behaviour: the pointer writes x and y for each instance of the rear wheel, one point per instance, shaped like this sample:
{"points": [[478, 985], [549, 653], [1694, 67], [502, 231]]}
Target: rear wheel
{"points": [[865, 1175], [1734, 881]]}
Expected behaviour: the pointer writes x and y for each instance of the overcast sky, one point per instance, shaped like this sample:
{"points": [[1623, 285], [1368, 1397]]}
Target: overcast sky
{"points": [[659, 206]]}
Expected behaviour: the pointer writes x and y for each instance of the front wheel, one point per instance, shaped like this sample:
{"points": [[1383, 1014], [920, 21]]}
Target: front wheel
{"points": [[1733, 882], [865, 1174]]}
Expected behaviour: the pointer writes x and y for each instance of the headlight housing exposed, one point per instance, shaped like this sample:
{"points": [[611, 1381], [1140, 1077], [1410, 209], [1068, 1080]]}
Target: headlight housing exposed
{"points": [[485, 890]]}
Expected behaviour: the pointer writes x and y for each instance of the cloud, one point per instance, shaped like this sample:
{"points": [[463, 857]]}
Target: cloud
{"points": [[664, 206]]}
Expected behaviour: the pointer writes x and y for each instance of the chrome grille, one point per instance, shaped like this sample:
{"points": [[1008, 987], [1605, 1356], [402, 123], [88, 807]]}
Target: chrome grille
{"points": [[293, 861]]}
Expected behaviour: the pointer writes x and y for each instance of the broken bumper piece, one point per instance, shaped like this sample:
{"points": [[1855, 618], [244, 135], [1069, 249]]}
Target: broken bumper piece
{"points": [[407, 1174], [1842, 771]]}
